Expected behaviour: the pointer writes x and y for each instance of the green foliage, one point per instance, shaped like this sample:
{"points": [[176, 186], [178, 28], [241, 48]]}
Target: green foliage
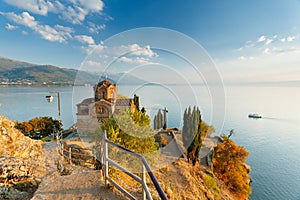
{"points": [[211, 183], [131, 130], [229, 162], [121, 96], [191, 133], [39, 127], [193, 150], [206, 130], [136, 101], [8, 64]]}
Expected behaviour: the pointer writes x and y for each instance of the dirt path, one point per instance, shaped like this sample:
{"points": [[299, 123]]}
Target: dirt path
{"points": [[76, 186], [83, 183]]}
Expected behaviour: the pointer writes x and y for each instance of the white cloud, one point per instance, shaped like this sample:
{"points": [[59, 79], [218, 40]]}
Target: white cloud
{"points": [[75, 12], [135, 60], [79, 9], [10, 27], [264, 45], [136, 49], [24, 19], [24, 32], [265, 67], [41, 7], [130, 54], [266, 51], [290, 39], [93, 28], [93, 5], [84, 39], [261, 38], [269, 41], [282, 39], [51, 34], [93, 47], [54, 34]]}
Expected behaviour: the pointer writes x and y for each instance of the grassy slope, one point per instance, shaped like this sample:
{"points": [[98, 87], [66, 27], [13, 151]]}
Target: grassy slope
{"points": [[20, 71]]}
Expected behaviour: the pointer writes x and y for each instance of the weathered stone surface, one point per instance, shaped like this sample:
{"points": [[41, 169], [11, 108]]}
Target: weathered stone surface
{"points": [[14, 143], [21, 162]]}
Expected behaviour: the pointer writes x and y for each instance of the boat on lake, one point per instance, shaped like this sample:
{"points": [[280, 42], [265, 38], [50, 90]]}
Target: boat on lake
{"points": [[254, 115]]}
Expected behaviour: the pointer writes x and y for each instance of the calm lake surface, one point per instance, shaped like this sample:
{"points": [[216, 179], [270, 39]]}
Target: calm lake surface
{"points": [[273, 141]]}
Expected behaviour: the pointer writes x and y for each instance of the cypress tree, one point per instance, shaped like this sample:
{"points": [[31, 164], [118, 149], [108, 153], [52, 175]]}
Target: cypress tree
{"points": [[185, 129], [191, 133], [136, 101], [155, 122], [158, 120]]}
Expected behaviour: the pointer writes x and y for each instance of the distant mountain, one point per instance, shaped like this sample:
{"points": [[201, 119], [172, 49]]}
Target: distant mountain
{"points": [[16, 72], [123, 79], [9, 64]]}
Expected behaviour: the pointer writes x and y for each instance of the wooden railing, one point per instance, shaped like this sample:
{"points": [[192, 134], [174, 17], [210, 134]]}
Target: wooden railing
{"points": [[142, 180], [66, 154]]}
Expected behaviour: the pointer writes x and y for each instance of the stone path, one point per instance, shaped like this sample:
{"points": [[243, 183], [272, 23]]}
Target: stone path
{"points": [[83, 183]]}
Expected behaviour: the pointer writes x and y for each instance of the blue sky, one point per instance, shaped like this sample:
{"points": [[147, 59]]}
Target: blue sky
{"points": [[248, 40]]}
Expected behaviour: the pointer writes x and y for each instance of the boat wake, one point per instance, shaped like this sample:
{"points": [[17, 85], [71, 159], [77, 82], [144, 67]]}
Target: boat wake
{"points": [[273, 118]]}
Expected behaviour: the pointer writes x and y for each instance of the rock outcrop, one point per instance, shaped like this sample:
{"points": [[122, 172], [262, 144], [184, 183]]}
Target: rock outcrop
{"points": [[21, 162]]}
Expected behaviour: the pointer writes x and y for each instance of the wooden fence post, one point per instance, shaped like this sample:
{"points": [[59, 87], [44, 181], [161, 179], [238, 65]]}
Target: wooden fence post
{"points": [[70, 155], [62, 151], [144, 181], [105, 156]]}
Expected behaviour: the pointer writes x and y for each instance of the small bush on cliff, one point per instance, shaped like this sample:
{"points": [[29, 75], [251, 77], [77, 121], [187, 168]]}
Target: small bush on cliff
{"points": [[229, 163], [211, 183]]}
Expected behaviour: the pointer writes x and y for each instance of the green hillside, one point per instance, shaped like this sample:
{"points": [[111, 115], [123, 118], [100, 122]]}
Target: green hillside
{"points": [[16, 72], [9, 64]]}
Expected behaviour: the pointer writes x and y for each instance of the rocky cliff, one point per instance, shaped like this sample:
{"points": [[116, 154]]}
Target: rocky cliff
{"points": [[21, 162]]}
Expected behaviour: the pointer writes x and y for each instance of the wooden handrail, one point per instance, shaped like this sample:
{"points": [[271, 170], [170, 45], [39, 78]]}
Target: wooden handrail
{"points": [[145, 166]]}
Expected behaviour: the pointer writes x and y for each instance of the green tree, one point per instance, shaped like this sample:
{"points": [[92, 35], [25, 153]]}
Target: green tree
{"points": [[191, 133], [39, 127], [158, 120], [229, 163], [24, 127], [136, 101], [131, 130]]}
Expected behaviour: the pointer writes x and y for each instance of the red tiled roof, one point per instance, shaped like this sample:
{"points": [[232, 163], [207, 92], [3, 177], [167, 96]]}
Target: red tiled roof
{"points": [[105, 83], [88, 101], [123, 102], [105, 101]]}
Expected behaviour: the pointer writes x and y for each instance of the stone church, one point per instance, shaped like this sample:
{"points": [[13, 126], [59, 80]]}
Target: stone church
{"points": [[92, 112]]}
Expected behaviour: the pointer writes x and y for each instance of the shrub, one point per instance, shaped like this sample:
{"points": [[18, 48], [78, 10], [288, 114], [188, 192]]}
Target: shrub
{"points": [[229, 163]]}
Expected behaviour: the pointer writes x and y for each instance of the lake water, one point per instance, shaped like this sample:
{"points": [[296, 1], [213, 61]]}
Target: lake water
{"points": [[273, 141]]}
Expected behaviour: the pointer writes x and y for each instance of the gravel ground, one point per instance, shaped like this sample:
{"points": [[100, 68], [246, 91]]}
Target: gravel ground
{"points": [[83, 183]]}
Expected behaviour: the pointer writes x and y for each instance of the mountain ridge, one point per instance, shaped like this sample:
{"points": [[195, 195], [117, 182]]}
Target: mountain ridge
{"points": [[13, 72], [8, 64]]}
